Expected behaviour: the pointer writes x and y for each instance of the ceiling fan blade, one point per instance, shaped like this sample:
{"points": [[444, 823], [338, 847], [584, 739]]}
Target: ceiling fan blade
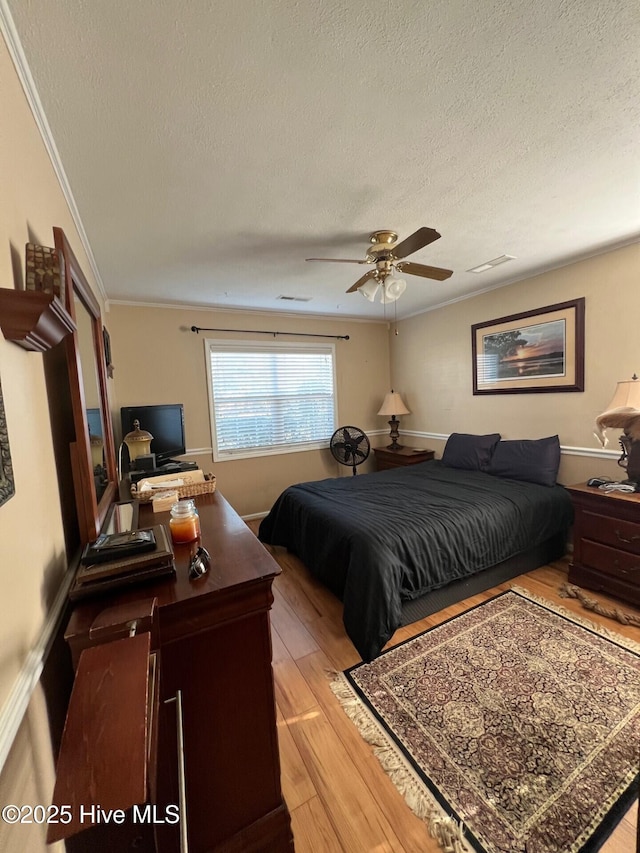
{"points": [[361, 281], [338, 260], [420, 238], [426, 272]]}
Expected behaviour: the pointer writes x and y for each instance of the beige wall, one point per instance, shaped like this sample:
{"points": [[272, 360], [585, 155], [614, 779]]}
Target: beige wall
{"points": [[28, 778], [159, 360], [431, 361], [32, 554], [32, 548]]}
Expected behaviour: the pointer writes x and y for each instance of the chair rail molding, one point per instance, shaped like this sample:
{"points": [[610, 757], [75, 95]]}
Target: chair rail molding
{"points": [[566, 450]]}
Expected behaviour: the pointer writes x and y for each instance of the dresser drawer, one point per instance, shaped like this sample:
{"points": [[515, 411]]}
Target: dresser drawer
{"points": [[611, 531], [611, 561]]}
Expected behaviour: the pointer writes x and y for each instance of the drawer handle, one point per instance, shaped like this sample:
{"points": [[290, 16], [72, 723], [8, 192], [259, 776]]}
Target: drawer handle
{"points": [[616, 563], [182, 782], [621, 538]]}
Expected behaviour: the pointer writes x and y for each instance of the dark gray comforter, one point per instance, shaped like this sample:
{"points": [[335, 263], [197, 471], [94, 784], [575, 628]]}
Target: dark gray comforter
{"points": [[376, 539]]}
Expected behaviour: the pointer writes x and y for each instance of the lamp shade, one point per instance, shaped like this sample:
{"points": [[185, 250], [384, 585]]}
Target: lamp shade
{"points": [[369, 289], [392, 289], [627, 394], [623, 412], [393, 404]]}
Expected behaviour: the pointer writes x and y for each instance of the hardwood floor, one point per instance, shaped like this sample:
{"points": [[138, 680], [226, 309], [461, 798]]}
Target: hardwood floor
{"points": [[339, 797]]}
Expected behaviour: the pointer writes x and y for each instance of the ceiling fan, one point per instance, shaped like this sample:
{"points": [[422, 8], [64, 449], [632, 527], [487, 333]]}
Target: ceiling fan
{"points": [[387, 255]]}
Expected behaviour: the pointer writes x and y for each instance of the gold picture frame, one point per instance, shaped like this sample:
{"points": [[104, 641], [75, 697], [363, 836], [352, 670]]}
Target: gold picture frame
{"points": [[533, 352]]}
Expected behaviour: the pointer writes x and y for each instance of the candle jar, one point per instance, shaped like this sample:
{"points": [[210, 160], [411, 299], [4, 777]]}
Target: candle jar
{"points": [[184, 522]]}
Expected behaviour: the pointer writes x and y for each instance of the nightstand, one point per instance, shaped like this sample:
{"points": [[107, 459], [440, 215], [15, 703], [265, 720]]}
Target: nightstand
{"points": [[606, 542], [386, 458]]}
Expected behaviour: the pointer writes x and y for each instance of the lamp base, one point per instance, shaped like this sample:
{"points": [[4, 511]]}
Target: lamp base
{"points": [[394, 423], [630, 458], [633, 463], [145, 462]]}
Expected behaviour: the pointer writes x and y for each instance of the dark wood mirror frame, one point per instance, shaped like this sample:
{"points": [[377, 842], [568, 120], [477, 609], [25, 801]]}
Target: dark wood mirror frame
{"points": [[91, 509]]}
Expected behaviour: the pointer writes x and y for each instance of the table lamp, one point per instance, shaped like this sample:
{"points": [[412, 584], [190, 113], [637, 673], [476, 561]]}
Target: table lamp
{"points": [[623, 412], [393, 405]]}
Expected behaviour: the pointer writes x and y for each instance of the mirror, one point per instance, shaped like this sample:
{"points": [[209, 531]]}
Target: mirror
{"points": [[93, 409], [92, 452]]}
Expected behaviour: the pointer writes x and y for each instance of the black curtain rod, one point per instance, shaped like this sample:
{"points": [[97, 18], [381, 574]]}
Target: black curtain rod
{"points": [[198, 329]]}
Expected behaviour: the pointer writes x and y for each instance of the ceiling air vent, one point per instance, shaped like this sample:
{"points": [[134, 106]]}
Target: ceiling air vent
{"points": [[295, 298], [489, 265]]}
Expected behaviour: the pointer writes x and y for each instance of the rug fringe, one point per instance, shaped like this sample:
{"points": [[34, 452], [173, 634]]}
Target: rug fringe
{"points": [[448, 832], [607, 633], [568, 590]]}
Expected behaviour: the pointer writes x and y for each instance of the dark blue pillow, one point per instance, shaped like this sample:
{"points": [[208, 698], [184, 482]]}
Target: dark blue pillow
{"points": [[469, 452], [532, 460]]}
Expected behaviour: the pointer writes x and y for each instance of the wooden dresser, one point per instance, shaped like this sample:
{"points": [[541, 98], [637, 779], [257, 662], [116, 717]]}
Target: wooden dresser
{"points": [[387, 458], [212, 639], [606, 542]]}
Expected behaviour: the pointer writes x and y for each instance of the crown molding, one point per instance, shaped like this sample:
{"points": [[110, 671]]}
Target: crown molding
{"points": [[14, 45], [533, 273], [266, 312]]}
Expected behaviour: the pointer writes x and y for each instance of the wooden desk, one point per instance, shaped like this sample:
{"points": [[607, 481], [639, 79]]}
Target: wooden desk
{"points": [[213, 641]]}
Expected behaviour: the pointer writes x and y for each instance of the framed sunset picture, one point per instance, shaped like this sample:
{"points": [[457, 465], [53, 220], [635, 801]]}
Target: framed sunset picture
{"points": [[533, 352]]}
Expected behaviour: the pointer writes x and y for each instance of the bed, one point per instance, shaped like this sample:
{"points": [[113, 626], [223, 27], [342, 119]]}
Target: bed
{"points": [[379, 539]]}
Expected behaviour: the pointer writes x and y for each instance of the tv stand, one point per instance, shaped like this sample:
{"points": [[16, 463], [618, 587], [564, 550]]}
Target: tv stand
{"points": [[171, 467]]}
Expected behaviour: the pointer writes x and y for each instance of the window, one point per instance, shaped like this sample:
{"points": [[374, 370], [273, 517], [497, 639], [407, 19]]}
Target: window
{"points": [[270, 398]]}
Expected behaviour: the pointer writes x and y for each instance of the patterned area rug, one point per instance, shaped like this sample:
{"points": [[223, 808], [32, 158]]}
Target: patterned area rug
{"points": [[512, 728]]}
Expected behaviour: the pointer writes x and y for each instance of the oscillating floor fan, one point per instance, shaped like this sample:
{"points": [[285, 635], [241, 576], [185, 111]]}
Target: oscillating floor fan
{"points": [[350, 446]]}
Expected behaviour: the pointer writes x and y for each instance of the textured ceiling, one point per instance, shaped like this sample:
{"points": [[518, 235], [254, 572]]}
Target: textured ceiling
{"points": [[212, 146]]}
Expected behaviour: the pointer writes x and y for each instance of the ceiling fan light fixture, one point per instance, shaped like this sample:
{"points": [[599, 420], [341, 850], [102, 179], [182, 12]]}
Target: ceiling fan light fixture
{"points": [[369, 289], [392, 289], [388, 257]]}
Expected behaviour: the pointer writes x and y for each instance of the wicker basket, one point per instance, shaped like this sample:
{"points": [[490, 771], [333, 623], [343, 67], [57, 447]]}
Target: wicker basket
{"points": [[189, 490]]}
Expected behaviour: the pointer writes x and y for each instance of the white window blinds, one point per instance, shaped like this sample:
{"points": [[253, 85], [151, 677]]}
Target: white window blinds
{"points": [[270, 397]]}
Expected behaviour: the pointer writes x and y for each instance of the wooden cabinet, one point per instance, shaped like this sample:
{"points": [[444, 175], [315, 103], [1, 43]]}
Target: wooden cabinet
{"points": [[386, 458], [118, 678], [606, 542], [214, 647]]}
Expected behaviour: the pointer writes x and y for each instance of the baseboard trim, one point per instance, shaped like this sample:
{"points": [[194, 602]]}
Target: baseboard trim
{"points": [[16, 704], [254, 515]]}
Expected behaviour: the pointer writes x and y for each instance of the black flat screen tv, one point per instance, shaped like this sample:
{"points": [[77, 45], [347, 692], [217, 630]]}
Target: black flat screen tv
{"points": [[165, 422]]}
